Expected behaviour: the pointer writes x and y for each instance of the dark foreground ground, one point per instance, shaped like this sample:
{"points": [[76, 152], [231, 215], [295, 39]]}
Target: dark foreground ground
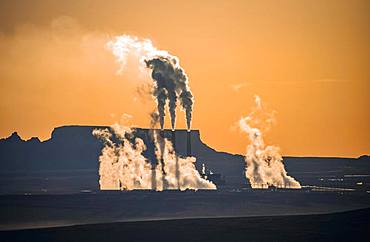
{"points": [[345, 226], [40, 211]]}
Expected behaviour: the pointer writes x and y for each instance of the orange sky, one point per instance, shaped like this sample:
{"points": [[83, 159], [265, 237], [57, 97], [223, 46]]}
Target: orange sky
{"points": [[308, 60]]}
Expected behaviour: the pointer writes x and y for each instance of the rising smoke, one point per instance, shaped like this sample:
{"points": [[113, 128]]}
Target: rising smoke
{"points": [[170, 80], [264, 164], [123, 166]]}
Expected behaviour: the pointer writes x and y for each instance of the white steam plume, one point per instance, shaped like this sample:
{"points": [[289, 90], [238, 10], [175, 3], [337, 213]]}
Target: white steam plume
{"points": [[188, 176], [264, 164], [170, 80], [123, 167]]}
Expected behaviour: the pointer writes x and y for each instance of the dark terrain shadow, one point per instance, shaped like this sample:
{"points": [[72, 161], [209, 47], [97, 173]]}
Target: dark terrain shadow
{"points": [[346, 226]]}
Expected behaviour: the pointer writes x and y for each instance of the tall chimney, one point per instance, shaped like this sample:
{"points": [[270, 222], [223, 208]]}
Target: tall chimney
{"points": [[162, 144], [177, 159], [154, 177], [188, 143], [174, 140]]}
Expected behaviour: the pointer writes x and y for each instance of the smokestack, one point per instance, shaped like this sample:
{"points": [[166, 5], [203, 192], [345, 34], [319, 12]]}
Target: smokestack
{"points": [[119, 162], [188, 143], [174, 139], [162, 148], [154, 176], [177, 172]]}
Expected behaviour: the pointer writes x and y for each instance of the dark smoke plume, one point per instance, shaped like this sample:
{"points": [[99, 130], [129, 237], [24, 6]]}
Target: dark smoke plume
{"points": [[171, 83]]}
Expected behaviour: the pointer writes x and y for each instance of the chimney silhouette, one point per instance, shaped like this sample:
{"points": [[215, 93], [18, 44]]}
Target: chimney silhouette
{"points": [[188, 143], [177, 159], [162, 144], [174, 139]]}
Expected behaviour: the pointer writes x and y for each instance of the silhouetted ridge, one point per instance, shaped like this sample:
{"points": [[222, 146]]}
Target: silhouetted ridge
{"points": [[74, 148]]}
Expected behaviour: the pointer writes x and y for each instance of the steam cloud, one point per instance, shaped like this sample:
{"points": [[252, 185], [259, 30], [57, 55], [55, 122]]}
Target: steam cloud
{"points": [[170, 80], [264, 164], [123, 167]]}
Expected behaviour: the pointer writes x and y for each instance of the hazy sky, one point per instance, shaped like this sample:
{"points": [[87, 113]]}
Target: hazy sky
{"points": [[308, 60]]}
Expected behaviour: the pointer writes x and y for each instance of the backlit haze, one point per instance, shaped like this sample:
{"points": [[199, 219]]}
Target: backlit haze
{"points": [[308, 60]]}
